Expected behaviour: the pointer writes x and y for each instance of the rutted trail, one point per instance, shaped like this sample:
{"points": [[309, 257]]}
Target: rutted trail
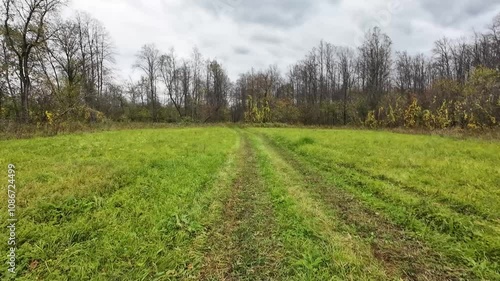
{"points": [[283, 219], [243, 246], [257, 204], [400, 255], [319, 248]]}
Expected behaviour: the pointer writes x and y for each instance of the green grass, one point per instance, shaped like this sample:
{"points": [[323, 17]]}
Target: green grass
{"points": [[105, 206], [441, 191], [317, 246], [218, 203]]}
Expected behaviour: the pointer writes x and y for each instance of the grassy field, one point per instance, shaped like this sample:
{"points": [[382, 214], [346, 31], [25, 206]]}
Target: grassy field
{"points": [[222, 203]]}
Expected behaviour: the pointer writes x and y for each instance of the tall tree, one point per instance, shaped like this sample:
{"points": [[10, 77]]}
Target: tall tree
{"points": [[346, 61], [217, 88], [443, 58], [148, 60], [25, 25], [375, 59], [170, 76]]}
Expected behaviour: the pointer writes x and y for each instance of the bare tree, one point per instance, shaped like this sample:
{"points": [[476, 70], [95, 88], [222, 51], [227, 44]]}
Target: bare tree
{"points": [[8, 87], [95, 56], [403, 67], [185, 76], [25, 28], [148, 60], [495, 42], [420, 75], [170, 74], [217, 89], [346, 61], [462, 60], [375, 60], [196, 94], [443, 57], [65, 51]]}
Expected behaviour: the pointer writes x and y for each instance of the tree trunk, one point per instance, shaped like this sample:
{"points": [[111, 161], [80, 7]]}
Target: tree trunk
{"points": [[25, 90]]}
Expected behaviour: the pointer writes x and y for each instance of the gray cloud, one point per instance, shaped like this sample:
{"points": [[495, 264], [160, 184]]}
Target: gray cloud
{"points": [[240, 50], [270, 13], [243, 34], [453, 12], [266, 38]]}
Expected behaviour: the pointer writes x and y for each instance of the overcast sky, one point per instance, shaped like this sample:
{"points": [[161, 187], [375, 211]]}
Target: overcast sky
{"points": [[256, 33]]}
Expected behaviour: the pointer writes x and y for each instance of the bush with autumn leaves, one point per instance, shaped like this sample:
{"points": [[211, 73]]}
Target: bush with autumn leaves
{"points": [[472, 105]]}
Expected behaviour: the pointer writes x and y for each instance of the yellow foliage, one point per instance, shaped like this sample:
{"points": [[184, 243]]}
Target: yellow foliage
{"points": [[391, 117], [442, 118], [50, 117], [371, 121], [472, 122], [254, 114], [412, 114], [428, 119]]}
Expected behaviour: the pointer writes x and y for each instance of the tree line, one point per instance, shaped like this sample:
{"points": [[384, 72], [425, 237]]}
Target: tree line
{"points": [[55, 70], [458, 85]]}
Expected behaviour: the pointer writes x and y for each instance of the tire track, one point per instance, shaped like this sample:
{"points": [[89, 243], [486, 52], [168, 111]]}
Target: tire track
{"points": [[243, 247], [397, 252]]}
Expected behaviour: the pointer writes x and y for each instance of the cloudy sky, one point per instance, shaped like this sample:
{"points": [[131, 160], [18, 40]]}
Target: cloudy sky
{"points": [[256, 33]]}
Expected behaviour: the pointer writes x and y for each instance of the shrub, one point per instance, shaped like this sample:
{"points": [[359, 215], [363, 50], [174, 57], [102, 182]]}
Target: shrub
{"points": [[412, 114], [370, 120]]}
